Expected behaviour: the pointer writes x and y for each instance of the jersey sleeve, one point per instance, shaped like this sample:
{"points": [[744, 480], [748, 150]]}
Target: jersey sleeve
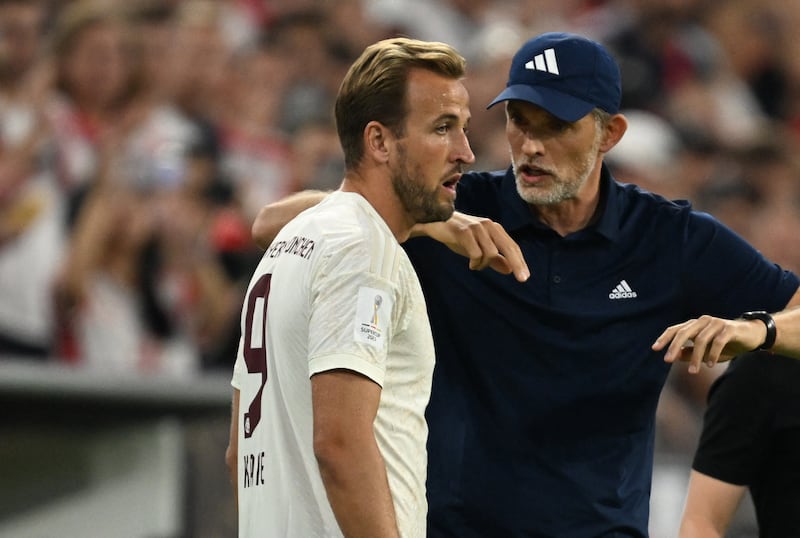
{"points": [[354, 300]]}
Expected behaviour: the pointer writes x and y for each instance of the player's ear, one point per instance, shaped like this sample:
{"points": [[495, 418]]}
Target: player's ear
{"points": [[377, 141]]}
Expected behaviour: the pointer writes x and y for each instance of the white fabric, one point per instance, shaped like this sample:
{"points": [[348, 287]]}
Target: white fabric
{"points": [[30, 260], [28, 265], [350, 299], [154, 155], [112, 336], [156, 151], [260, 168]]}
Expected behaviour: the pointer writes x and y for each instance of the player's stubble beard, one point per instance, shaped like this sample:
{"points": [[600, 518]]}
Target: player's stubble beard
{"points": [[561, 188], [421, 203]]}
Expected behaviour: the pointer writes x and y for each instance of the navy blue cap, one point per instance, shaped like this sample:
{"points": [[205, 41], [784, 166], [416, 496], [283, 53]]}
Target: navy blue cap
{"points": [[566, 74]]}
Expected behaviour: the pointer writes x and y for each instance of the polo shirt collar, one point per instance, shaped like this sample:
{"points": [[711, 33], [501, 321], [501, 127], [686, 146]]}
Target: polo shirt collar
{"points": [[517, 215]]}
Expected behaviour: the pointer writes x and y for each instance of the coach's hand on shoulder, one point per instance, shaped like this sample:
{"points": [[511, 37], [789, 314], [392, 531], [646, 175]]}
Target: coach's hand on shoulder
{"points": [[482, 240]]}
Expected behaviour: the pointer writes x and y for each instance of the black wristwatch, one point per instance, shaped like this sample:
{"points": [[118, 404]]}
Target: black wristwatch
{"points": [[772, 330]]}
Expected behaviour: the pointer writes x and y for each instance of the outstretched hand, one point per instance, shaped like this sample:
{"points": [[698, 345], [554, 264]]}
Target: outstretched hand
{"points": [[482, 240], [709, 340]]}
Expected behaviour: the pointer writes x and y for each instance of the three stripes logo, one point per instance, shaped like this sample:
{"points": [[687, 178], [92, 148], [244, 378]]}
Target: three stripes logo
{"points": [[546, 61], [622, 291]]}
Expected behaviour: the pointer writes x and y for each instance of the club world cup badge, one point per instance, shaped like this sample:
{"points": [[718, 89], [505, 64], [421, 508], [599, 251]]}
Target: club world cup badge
{"points": [[373, 312]]}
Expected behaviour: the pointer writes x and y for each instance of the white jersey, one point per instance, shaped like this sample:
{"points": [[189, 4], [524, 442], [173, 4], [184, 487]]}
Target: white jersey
{"points": [[334, 290]]}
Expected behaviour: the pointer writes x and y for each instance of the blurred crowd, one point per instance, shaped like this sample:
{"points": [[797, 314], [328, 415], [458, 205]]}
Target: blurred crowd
{"points": [[139, 138]]}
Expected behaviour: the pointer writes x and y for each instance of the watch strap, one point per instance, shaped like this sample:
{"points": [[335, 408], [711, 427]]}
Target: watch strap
{"points": [[769, 322]]}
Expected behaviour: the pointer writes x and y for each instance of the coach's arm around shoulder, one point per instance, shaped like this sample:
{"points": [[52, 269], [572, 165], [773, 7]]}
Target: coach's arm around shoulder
{"points": [[272, 217], [482, 240]]}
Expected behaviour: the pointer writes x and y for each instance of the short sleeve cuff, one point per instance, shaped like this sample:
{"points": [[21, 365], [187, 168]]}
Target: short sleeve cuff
{"points": [[355, 363]]}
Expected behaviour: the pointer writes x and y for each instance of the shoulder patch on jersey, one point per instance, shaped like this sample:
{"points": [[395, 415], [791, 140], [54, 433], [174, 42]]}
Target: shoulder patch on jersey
{"points": [[373, 312]]}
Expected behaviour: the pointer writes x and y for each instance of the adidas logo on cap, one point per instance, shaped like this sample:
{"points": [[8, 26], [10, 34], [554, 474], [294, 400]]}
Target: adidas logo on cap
{"points": [[546, 61]]}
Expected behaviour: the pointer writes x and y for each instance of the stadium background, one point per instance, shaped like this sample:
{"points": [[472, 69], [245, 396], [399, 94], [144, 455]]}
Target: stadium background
{"points": [[139, 138]]}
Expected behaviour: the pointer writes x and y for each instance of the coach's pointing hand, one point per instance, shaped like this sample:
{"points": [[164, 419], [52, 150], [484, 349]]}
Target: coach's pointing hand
{"points": [[482, 240]]}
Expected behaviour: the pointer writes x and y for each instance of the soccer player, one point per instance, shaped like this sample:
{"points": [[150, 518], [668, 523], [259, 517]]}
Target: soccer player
{"points": [[334, 366]]}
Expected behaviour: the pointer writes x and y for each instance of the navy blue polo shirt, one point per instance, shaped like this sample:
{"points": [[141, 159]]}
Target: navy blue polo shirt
{"points": [[542, 413]]}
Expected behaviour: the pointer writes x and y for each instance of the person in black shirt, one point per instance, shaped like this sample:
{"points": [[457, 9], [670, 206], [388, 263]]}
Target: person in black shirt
{"points": [[750, 440]]}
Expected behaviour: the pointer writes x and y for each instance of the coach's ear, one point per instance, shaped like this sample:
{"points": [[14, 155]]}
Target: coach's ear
{"points": [[613, 131]]}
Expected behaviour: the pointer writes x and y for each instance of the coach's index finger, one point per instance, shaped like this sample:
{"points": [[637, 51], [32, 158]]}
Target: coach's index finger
{"points": [[510, 250], [516, 262]]}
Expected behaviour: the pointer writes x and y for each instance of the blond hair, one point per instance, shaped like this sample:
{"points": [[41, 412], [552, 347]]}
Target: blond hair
{"points": [[374, 88]]}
